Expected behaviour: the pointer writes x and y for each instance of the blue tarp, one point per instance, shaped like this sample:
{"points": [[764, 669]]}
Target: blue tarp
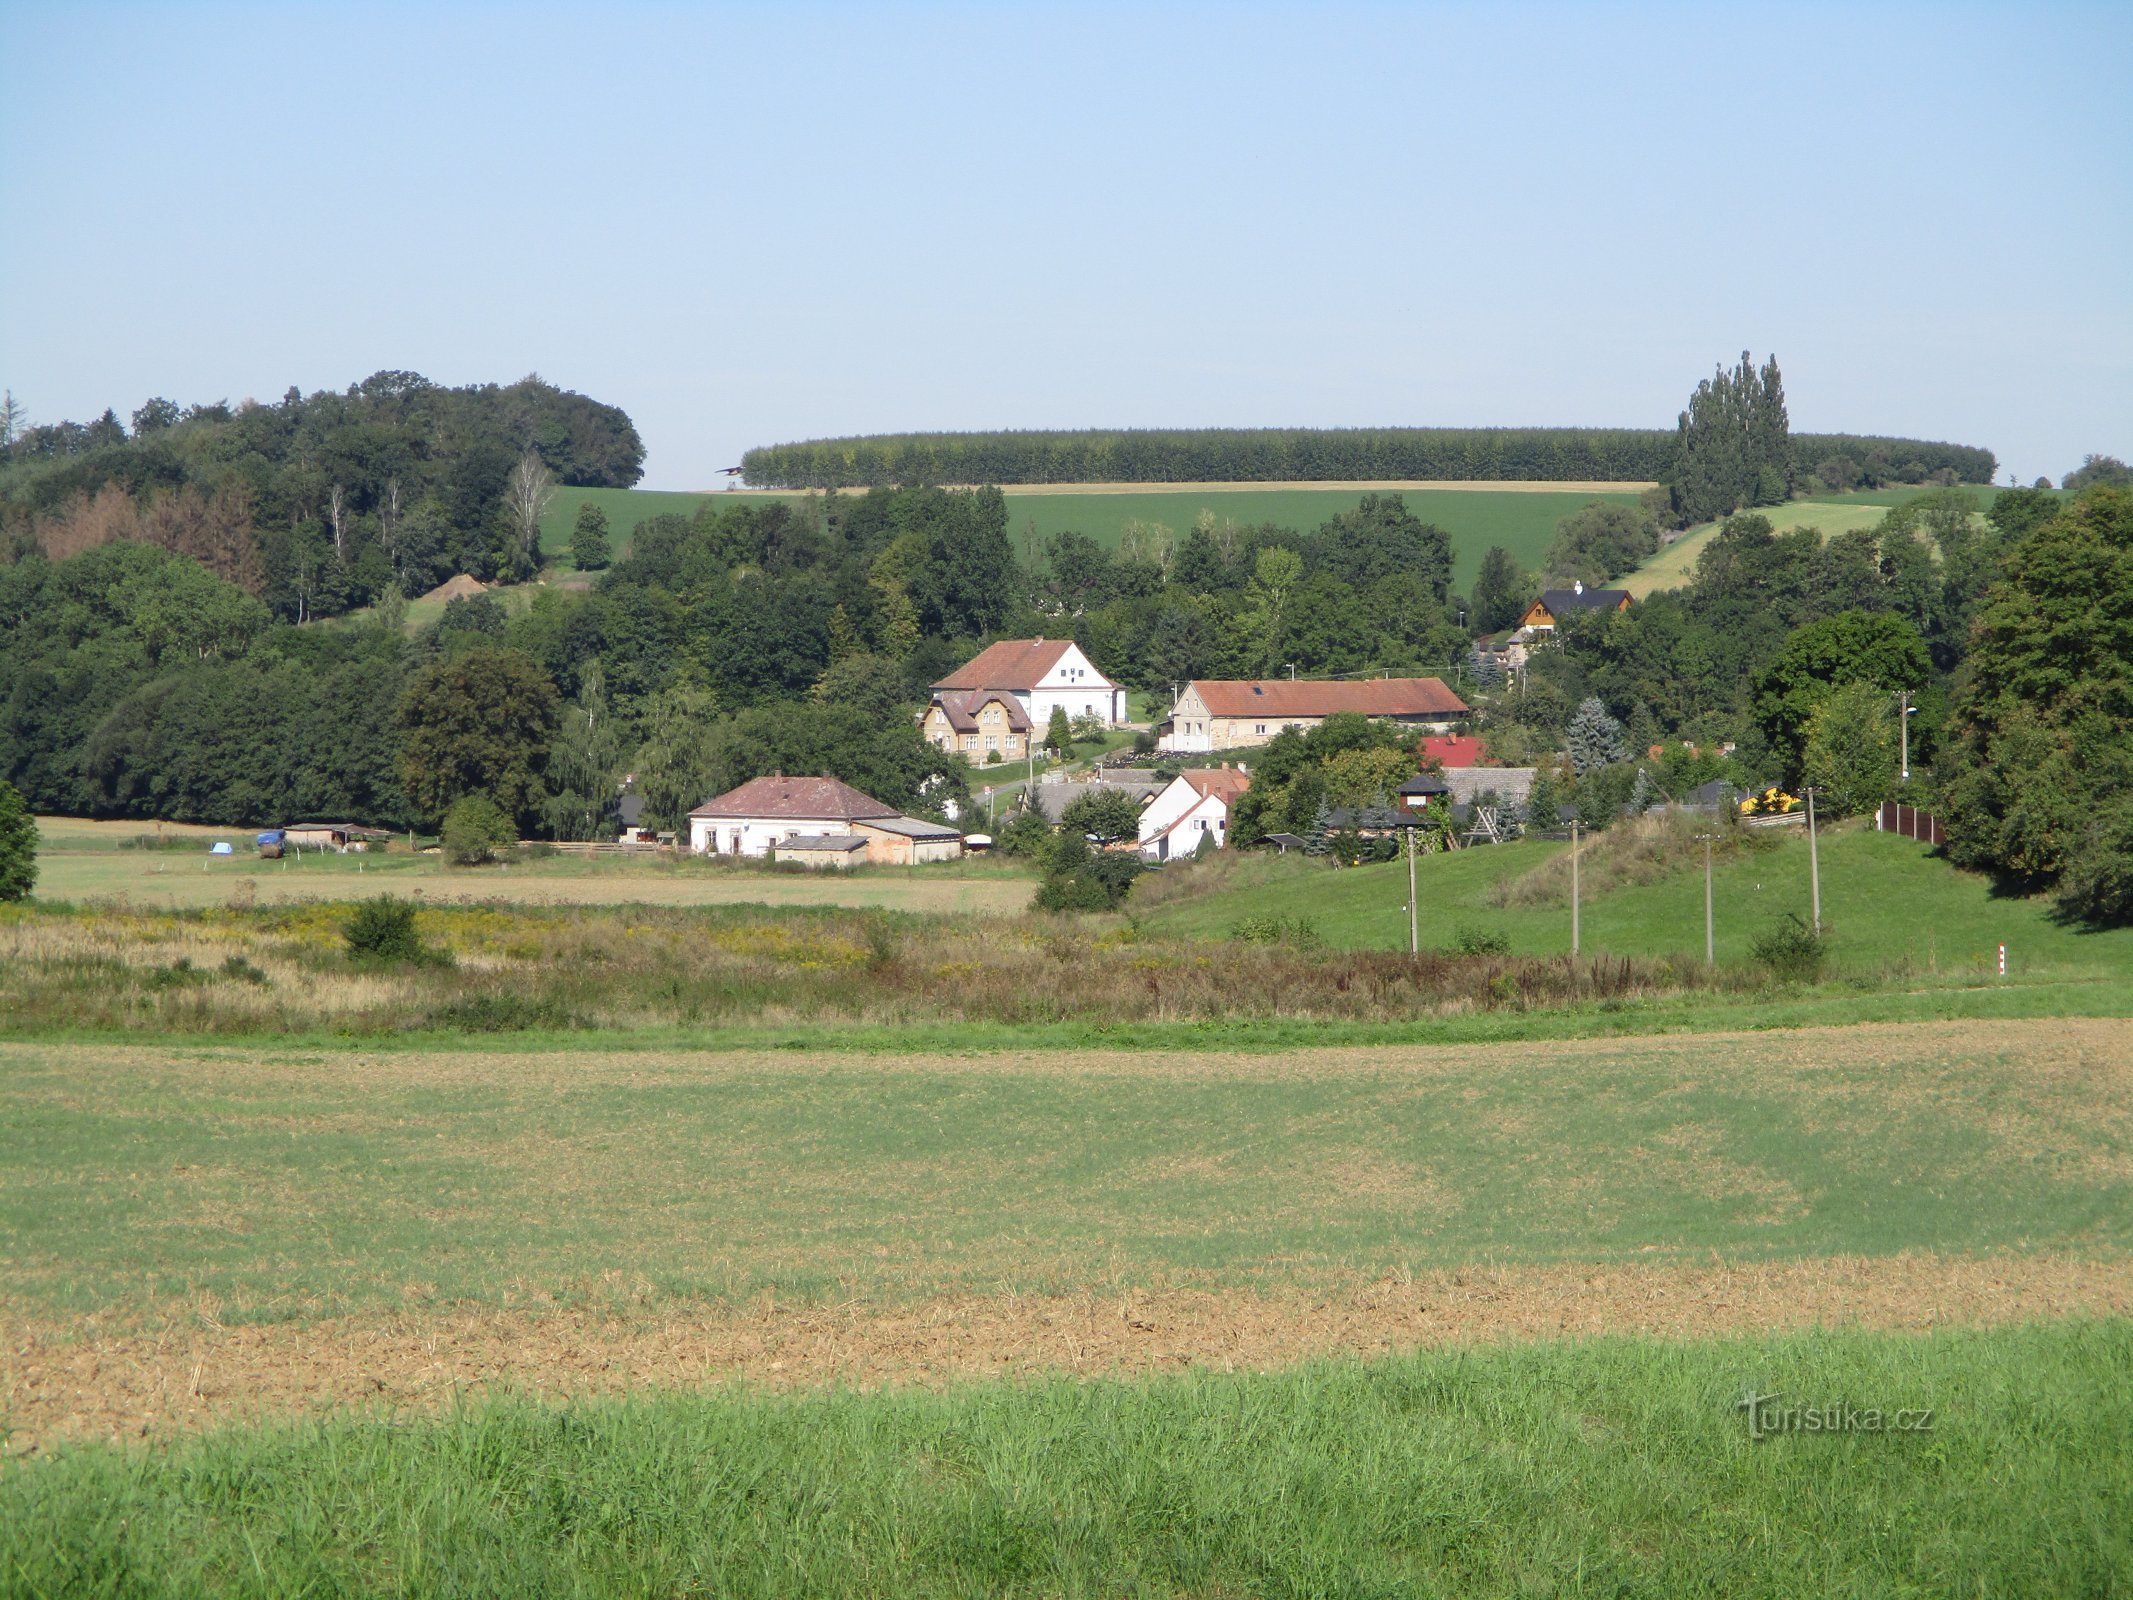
{"points": [[271, 836], [221, 847]]}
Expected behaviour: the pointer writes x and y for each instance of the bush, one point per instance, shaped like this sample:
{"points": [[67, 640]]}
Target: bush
{"points": [[1024, 834], [384, 930], [1791, 950], [474, 830], [1470, 941], [18, 845], [1300, 932]]}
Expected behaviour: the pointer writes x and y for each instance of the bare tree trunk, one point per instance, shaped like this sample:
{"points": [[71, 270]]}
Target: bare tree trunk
{"points": [[336, 512], [527, 493]]}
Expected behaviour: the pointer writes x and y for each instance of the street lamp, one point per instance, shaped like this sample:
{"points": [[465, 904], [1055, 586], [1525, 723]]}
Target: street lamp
{"points": [[1906, 711]]}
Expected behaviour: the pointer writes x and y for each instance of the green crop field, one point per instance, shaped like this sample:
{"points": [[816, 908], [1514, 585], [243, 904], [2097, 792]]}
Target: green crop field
{"points": [[1520, 518]]}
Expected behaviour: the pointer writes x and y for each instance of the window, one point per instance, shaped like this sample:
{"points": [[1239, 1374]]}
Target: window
{"points": [[992, 741], [970, 741], [1259, 727]]}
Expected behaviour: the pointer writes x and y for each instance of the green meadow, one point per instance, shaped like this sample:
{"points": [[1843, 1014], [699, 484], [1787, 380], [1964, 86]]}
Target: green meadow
{"points": [[1520, 519], [1611, 1467]]}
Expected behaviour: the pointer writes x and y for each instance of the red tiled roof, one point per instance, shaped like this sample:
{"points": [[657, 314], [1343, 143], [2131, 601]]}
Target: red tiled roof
{"points": [[1011, 664], [1224, 782], [804, 799], [1285, 697], [1462, 751], [961, 708]]}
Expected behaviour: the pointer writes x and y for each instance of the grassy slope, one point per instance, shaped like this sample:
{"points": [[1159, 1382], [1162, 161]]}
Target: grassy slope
{"points": [[1612, 1467], [1522, 522], [1884, 900], [282, 1181], [1828, 514]]}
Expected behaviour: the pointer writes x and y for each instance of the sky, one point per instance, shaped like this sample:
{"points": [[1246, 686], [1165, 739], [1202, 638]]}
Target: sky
{"points": [[755, 223]]}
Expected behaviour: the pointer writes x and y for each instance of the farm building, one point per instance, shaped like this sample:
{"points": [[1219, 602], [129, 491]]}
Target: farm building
{"points": [[1053, 795], [1230, 714], [835, 851], [1194, 807], [793, 815], [1039, 675], [341, 836]]}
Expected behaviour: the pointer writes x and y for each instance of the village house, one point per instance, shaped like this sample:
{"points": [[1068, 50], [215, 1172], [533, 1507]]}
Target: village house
{"points": [[1195, 806], [982, 724], [815, 820], [1555, 604], [1230, 714], [1035, 675]]}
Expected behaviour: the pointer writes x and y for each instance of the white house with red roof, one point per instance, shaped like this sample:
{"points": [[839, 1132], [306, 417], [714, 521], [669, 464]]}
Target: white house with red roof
{"points": [[764, 812], [1039, 674], [1194, 806], [1229, 714]]}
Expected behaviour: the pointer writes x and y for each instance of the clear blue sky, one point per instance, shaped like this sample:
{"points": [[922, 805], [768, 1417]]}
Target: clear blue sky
{"points": [[755, 223]]}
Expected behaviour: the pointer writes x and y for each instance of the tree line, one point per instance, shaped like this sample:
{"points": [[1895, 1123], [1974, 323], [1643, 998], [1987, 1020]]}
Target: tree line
{"points": [[324, 503], [1271, 455]]}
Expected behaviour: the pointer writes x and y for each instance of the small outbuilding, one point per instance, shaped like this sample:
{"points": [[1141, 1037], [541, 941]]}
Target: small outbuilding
{"points": [[838, 852]]}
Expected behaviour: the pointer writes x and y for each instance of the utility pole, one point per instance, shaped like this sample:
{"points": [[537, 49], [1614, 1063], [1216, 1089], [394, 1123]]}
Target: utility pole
{"points": [[1710, 944], [1905, 712], [1814, 863], [1573, 886], [1414, 915]]}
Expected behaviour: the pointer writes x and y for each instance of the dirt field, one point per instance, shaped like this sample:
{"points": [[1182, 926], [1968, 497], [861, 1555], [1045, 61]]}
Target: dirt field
{"points": [[193, 1233], [72, 1382]]}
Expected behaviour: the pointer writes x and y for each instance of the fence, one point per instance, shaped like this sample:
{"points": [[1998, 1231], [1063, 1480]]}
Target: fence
{"points": [[1909, 821]]}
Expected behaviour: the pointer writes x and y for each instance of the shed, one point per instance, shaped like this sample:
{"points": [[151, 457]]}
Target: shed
{"points": [[836, 851], [906, 841]]}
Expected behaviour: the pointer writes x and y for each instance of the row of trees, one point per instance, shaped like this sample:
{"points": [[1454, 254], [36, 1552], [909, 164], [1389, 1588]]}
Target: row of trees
{"points": [[1359, 455], [323, 503]]}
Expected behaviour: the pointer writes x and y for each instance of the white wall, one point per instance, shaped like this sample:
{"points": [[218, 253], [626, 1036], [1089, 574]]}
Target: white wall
{"points": [[754, 836]]}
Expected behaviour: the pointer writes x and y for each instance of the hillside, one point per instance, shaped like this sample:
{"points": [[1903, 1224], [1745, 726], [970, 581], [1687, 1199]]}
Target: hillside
{"points": [[1885, 900]]}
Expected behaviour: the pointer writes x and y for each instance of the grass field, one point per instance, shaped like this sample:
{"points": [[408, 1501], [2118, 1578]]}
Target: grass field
{"points": [[1615, 1467], [1519, 517], [86, 861], [1827, 515], [1886, 902]]}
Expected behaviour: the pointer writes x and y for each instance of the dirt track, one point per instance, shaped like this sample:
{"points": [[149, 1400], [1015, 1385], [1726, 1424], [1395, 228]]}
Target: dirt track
{"points": [[65, 1382]]}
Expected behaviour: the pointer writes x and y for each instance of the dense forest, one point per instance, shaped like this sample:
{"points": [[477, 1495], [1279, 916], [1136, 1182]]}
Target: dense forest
{"points": [[323, 503], [1276, 455]]}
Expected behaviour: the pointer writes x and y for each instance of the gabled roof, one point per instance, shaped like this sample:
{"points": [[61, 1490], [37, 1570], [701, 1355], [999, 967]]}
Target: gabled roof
{"points": [[1463, 751], [961, 708], [1292, 697], [1559, 601], [1017, 664], [1424, 784], [1224, 783], [804, 799]]}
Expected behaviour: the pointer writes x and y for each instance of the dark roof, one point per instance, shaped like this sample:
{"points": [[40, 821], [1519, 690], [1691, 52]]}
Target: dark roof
{"points": [[846, 842], [961, 708], [629, 810], [912, 827], [1307, 697], [1052, 799], [1378, 817], [1287, 841], [1424, 783], [1014, 663], [808, 799], [1559, 601]]}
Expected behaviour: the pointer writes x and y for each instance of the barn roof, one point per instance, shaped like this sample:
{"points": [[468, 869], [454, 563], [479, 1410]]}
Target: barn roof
{"points": [[1291, 697], [1559, 601], [1463, 751], [1018, 664], [805, 799], [1225, 783]]}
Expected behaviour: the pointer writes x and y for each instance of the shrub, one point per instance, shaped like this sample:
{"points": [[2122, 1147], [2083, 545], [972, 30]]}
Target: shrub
{"points": [[1300, 932], [384, 929], [474, 830], [1791, 950], [18, 845], [1023, 834], [1471, 941]]}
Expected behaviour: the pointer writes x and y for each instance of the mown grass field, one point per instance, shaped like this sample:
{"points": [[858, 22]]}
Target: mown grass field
{"points": [[1887, 903], [84, 861], [1615, 1467], [1521, 519], [277, 1183]]}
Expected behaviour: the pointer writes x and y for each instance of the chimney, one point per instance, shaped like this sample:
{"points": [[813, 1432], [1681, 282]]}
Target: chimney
{"points": [[779, 773]]}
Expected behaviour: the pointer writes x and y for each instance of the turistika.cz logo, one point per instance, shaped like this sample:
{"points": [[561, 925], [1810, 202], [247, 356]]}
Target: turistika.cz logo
{"points": [[1769, 1416]]}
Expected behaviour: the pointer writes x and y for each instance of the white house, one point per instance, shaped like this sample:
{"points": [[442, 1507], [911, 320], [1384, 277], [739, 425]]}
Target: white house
{"points": [[1194, 806], [764, 812], [1039, 673], [1229, 714]]}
